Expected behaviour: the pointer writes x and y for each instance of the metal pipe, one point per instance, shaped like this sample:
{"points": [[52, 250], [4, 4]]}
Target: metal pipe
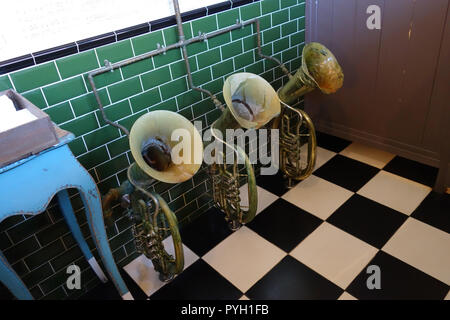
{"points": [[182, 43]]}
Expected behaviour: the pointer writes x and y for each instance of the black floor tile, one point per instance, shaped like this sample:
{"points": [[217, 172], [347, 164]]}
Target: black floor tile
{"points": [[274, 183], [107, 291], [198, 282], [345, 172], [206, 232], [412, 170], [367, 220], [292, 280], [435, 210], [284, 224], [331, 143], [399, 280]]}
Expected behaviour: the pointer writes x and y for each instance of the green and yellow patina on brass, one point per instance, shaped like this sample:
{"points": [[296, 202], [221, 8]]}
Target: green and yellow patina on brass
{"points": [[251, 102], [319, 69]]}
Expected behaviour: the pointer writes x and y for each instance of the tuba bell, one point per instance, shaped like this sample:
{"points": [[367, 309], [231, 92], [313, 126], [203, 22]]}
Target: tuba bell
{"points": [[152, 139], [252, 103], [319, 69]]}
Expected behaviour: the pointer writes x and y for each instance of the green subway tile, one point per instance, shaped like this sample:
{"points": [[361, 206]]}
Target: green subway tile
{"points": [[297, 11], [43, 255], [52, 233], [280, 17], [5, 84], [60, 113], [269, 64], [280, 45], [250, 42], [115, 112], [265, 22], [196, 47], [137, 68], [297, 38], [187, 113], [107, 184], [204, 25], [118, 146], [188, 98], [77, 64], [21, 249], [295, 64], [37, 275], [232, 49], [101, 137], [202, 107], [178, 69], [145, 100], [251, 11], [57, 294], [124, 89], [111, 167], [219, 40], [36, 97], [22, 230], [268, 6], [223, 68], [228, 17], [88, 103], [120, 239], [243, 60], [289, 28], [155, 78], [271, 35], [301, 24], [208, 58], [115, 52], [169, 57], [38, 76], [213, 116], [268, 76], [147, 42], [103, 79], [64, 90], [289, 54], [187, 210], [128, 122], [173, 88], [214, 86], [195, 192], [256, 68], [169, 105], [242, 32], [77, 146], [171, 34], [288, 3], [201, 77], [81, 125], [181, 188]]}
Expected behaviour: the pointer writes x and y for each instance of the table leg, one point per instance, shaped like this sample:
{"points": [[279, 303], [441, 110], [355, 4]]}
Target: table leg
{"points": [[93, 208], [71, 220], [12, 281]]}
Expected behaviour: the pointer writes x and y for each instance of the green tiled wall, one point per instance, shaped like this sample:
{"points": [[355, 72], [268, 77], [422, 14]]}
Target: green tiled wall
{"points": [[41, 247]]}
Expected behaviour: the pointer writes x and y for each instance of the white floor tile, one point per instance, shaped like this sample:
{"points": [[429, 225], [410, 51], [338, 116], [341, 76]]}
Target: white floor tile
{"points": [[244, 297], [422, 246], [335, 254], [265, 198], [447, 297], [372, 156], [142, 272], [395, 192], [317, 196], [243, 258], [347, 296], [323, 155]]}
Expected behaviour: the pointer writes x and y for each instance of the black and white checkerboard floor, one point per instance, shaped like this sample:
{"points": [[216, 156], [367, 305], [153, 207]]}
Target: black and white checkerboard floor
{"points": [[361, 207]]}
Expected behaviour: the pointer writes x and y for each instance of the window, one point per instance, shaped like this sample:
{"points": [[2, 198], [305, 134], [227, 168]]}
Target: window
{"points": [[29, 26]]}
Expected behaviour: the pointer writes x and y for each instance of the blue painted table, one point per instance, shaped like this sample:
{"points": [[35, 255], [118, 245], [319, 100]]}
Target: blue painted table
{"points": [[28, 185]]}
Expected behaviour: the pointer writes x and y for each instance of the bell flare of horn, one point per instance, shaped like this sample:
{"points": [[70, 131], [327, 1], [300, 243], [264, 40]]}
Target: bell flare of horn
{"points": [[251, 100], [179, 138], [322, 67], [319, 69]]}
